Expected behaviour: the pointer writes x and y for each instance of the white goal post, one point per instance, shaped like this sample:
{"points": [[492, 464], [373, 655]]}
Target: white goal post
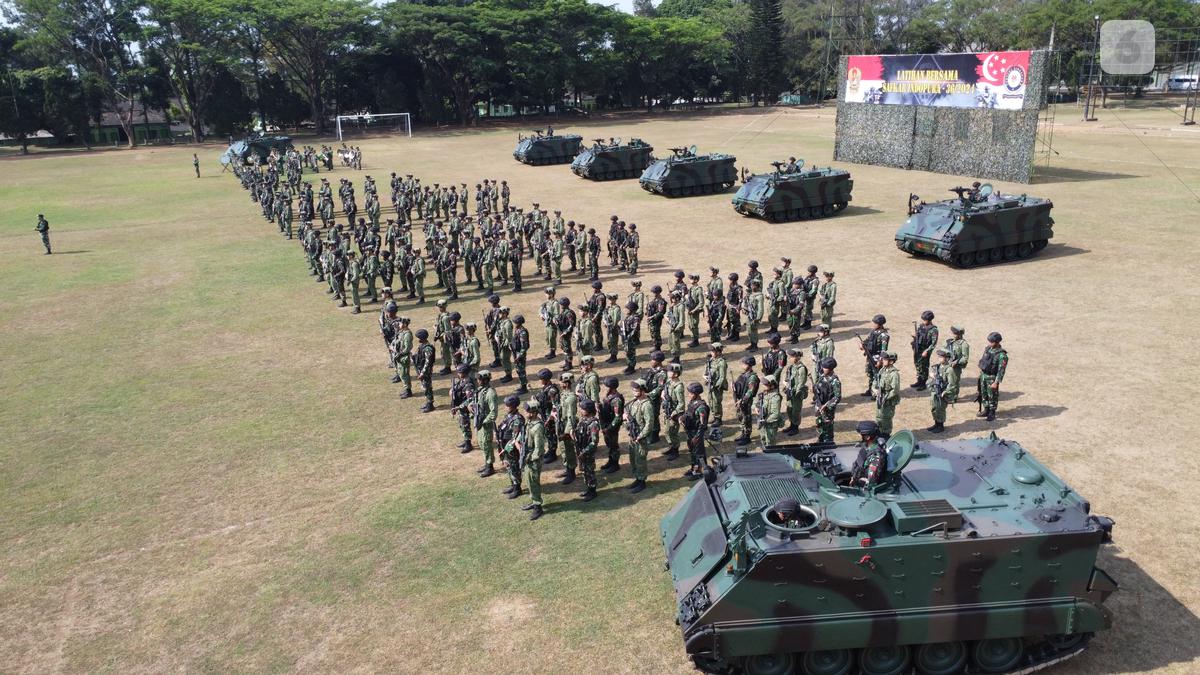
{"points": [[364, 123]]}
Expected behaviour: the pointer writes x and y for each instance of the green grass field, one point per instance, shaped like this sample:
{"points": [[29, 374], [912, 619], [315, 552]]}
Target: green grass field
{"points": [[204, 467]]}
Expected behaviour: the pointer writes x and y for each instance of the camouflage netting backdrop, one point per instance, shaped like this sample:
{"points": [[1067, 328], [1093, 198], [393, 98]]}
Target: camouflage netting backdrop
{"points": [[969, 142]]}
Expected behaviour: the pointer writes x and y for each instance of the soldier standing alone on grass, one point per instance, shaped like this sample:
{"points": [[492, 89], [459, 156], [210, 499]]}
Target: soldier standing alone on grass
{"points": [[43, 228]]}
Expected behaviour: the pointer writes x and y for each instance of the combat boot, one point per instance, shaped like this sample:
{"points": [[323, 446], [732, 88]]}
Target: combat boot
{"points": [[444, 371], [523, 389], [611, 467], [509, 490], [792, 430], [356, 310], [753, 347], [867, 393], [344, 304], [395, 379], [937, 428], [991, 415], [550, 457], [537, 512], [466, 447], [486, 470], [671, 453], [407, 393], [506, 379], [637, 486], [715, 423], [569, 478], [629, 370], [588, 494], [742, 440], [428, 407], [515, 493], [795, 339]]}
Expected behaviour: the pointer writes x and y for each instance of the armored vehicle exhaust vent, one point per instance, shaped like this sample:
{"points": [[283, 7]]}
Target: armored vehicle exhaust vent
{"points": [[765, 491], [919, 515]]}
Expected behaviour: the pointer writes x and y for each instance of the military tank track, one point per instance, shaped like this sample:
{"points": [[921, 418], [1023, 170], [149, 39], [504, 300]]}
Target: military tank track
{"points": [[990, 256], [609, 175], [546, 161], [810, 213], [1001, 656], [693, 190]]}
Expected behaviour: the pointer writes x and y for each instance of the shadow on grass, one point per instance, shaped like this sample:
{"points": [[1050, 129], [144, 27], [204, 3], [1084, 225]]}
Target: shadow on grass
{"points": [[71, 252], [1062, 174]]}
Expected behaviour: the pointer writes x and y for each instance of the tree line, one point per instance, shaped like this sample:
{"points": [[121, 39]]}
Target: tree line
{"points": [[228, 65]]}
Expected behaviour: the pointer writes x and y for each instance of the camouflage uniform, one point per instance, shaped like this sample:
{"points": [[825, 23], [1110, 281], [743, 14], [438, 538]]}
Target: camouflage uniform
{"points": [[612, 415], [770, 410], [827, 394], [673, 403], [992, 366], [485, 420], [566, 413], [716, 377], [794, 385], [745, 391], [533, 451], [945, 389], [462, 399], [828, 295], [587, 442], [925, 340], [887, 394], [510, 436], [638, 419], [695, 424]]}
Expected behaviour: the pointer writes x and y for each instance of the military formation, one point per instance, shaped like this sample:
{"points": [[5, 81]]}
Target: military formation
{"points": [[571, 414]]}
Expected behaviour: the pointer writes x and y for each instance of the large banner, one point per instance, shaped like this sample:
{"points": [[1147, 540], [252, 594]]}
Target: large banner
{"points": [[983, 80]]}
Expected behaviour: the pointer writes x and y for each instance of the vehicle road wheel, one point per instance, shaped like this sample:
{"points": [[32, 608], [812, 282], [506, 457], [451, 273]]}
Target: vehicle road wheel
{"points": [[995, 255], [981, 257], [941, 658], [890, 660], [828, 662], [1067, 641], [1040, 244], [998, 654], [814, 212], [706, 189], [841, 206], [827, 210], [1010, 251], [770, 664], [1024, 250]]}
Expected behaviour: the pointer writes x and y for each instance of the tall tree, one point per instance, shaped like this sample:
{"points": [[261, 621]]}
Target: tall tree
{"points": [[192, 38], [766, 51], [96, 37]]}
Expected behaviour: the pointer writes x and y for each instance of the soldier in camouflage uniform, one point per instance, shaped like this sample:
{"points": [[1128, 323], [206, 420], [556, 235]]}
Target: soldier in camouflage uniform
{"points": [[613, 320], [612, 415], [795, 309], [401, 349], [638, 419], [695, 308], [547, 398], [656, 382], [471, 356], [504, 337], [676, 317], [353, 276], [485, 422], [735, 298], [587, 443], [822, 347], [656, 311], [589, 381], [510, 436], [673, 404], [945, 390], [462, 400], [745, 392], [716, 376], [827, 394], [873, 348], [925, 340], [532, 449], [887, 392], [770, 410], [794, 386], [992, 366], [828, 298], [695, 425], [566, 411], [870, 468], [960, 352], [441, 333], [423, 361], [755, 308], [566, 331], [518, 347], [628, 332]]}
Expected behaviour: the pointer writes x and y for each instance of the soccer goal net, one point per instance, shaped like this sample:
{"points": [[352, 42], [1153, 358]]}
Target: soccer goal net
{"points": [[368, 123]]}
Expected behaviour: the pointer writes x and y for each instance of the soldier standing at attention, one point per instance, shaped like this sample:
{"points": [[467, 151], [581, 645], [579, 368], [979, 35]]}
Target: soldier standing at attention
{"points": [[566, 331], [822, 347], [593, 253], [510, 435], [827, 393], [586, 331], [695, 424], [828, 294], [776, 296], [485, 422], [612, 415], [637, 423], [196, 164], [960, 353], [745, 391], [470, 350], [770, 412], [462, 399], [638, 298], [992, 366], [673, 405], [418, 276], [775, 359], [633, 242], [532, 449], [547, 398], [402, 346], [795, 309], [519, 347], [695, 308], [353, 275], [795, 389], [736, 297], [873, 348], [676, 315], [716, 376], [549, 315], [628, 332], [441, 333], [887, 394], [43, 228], [656, 311], [755, 305], [589, 381], [752, 274], [925, 340], [504, 336], [613, 320], [656, 382], [423, 360], [587, 441], [566, 412], [945, 390]]}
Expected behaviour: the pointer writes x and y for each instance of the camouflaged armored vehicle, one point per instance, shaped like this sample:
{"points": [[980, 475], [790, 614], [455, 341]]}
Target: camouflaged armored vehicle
{"points": [[261, 146], [612, 160], [980, 227], [547, 148], [794, 193], [968, 556], [685, 173]]}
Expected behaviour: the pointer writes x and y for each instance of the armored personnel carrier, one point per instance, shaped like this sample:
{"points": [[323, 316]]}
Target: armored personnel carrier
{"points": [[547, 147], [612, 160], [685, 173], [979, 227], [967, 556], [256, 145], [794, 193]]}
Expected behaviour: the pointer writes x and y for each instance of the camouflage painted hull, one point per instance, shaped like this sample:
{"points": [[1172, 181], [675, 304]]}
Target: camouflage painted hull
{"points": [[795, 197], [551, 150], [979, 560], [612, 164], [1011, 228], [696, 176]]}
